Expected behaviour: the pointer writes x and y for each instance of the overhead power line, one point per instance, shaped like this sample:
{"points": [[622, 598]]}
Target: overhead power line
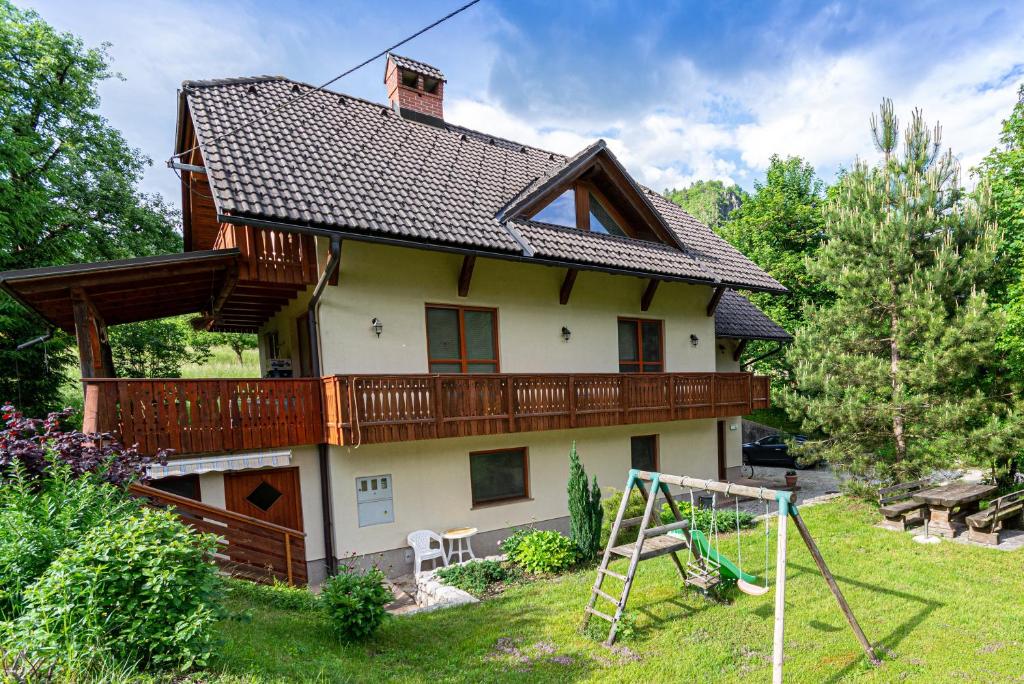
{"points": [[320, 87]]}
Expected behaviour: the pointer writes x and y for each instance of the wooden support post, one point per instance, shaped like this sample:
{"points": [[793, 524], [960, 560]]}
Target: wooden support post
{"points": [[805, 534], [95, 358], [739, 350], [715, 298], [648, 296], [780, 595], [566, 291], [466, 274]]}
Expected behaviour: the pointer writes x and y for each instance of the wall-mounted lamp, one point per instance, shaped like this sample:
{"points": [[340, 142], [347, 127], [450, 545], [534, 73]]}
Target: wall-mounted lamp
{"points": [[694, 339], [566, 333], [377, 326]]}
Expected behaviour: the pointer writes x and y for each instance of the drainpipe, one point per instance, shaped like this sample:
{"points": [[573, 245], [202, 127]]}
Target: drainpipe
{"points": [[323, 449]]}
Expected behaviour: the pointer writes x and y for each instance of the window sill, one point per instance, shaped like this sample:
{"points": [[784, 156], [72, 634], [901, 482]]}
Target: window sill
{"points": [[501, 502]]}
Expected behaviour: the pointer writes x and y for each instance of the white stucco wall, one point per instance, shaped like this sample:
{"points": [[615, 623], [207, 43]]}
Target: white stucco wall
{"points": [[431, 478], [395, 284], [724, 363]]}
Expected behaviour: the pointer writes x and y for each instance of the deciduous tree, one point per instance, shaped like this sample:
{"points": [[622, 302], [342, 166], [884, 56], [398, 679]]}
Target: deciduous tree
{"points": [[68, 186]]}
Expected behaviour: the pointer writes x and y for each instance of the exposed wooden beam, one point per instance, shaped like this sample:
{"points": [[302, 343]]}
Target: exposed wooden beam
{"points": [[739, 350], [466, 274], [648, 297], [94, 356], [582, 206], [715, 298], [230, 280], [566, 291]]}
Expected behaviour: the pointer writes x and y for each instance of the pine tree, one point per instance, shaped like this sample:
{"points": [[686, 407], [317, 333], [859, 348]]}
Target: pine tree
{"points": [[585, 511], [896, 369]]}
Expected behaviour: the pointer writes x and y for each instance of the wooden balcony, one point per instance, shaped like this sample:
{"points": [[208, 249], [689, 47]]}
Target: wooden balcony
{"points": [[273, 267], [399, 408], [217, 416], [206, 416]]}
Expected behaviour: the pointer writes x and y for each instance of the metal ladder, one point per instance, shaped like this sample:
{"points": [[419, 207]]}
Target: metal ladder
{"points": [[651, 542]]}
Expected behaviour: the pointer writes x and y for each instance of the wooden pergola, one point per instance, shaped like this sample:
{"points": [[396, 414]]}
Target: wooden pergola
{"points": [[83, 299]]}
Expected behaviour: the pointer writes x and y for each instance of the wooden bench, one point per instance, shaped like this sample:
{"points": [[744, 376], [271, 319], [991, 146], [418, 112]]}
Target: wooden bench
{"points": [[898, 506], [985, 526]]}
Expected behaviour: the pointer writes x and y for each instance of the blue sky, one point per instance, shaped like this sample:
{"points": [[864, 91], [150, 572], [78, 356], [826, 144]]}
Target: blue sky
{"points": [[681, 90]]}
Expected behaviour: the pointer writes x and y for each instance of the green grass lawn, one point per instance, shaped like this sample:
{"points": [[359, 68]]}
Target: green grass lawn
{"points": [[224, 364], [941, 613]]}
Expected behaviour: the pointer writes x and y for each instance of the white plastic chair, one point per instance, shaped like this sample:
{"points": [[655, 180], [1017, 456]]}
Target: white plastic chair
{"points": [[420, 543]]}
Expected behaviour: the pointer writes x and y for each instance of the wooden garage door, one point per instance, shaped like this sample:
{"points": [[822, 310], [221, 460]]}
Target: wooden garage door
{"points": [[272, 495]]}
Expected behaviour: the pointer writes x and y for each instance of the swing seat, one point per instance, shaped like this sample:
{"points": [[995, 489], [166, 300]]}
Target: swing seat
{"points": [[751, 589], [726, 567]]}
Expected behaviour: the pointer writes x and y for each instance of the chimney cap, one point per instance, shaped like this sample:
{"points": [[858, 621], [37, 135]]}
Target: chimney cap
{"points": [[414, 66]]}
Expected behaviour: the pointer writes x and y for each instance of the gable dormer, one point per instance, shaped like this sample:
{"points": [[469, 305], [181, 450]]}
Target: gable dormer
{"points": [[592, 192]]}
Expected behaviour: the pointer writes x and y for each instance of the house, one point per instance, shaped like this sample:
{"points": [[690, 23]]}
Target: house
{"points": [[440, 312]]}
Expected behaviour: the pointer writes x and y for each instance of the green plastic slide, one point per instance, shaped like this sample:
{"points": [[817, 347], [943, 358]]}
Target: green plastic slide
{"points": [[728, 568]]}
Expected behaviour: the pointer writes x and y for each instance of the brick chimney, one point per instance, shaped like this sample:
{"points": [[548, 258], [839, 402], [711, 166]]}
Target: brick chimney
{"points": [[415, 89]]}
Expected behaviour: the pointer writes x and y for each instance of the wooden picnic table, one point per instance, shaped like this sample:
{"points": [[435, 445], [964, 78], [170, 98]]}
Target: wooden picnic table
{"points": [[949, 504]]}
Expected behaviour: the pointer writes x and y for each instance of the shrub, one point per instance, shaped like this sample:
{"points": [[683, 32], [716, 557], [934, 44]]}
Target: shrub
{"points": [[276, 595], [141, 589], [726, 517], [634, 509], [584, 509], [37, 445], [354, 602], [477, 577], [39, 518], [544, 551], [511, 543]]}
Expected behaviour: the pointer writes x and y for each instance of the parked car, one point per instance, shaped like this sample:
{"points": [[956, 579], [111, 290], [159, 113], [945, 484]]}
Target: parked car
{"points": [[773, 450]]}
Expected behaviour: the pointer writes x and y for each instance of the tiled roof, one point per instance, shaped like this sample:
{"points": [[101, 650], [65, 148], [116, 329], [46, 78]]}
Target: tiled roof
{"points": [[569, 244], [418, 67], [737, 317], [338, 162]]}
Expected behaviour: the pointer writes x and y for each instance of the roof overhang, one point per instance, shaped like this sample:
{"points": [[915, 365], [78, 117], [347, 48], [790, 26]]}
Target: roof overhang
{"points": [[126, 290]]}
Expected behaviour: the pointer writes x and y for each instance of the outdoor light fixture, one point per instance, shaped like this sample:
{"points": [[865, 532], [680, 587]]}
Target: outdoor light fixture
{"points": [[566, 333], [694, 339], [377, 326]]}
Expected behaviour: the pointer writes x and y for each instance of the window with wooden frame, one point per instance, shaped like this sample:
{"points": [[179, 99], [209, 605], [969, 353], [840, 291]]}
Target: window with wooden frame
{"points": [[641, 346], [643, 452], [499, 475], [462, 339], [182, 485], [585, 207]]}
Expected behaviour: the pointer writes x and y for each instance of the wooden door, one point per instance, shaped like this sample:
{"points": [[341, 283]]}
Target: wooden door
{"points": [[721, 451], [272, 495], [305, 368]]}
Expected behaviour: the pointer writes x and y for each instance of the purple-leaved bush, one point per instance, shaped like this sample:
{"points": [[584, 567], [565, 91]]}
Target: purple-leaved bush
{"points": [[38, 443]]}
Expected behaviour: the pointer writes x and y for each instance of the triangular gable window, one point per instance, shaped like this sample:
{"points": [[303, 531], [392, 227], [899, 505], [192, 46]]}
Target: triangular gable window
{"points": [[561, 211], [582, 200], [593, 192]]}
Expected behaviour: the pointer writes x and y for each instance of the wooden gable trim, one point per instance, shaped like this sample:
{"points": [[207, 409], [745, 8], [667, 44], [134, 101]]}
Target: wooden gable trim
{"points": [[567, 284], [654, 221], [648, 296], [466, 274]]}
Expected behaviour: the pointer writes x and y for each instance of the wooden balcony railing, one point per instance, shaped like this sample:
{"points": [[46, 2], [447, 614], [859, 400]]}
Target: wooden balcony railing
{"points": [[211, 416], [399, 408], [206, 416], [248, 547], [271, 256]]}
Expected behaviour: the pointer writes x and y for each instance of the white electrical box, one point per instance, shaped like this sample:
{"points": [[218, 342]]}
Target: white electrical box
{"points": [[374, 500]]}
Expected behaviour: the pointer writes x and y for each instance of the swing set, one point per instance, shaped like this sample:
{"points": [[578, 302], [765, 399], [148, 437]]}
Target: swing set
{"points": [[706, 568]]}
